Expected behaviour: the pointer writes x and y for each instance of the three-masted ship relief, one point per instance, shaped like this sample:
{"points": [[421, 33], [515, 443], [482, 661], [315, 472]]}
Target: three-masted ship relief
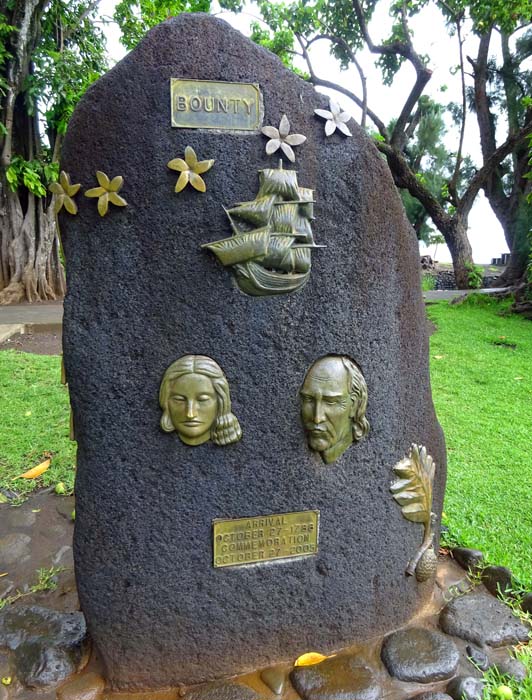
{"points": [[271, 246]]}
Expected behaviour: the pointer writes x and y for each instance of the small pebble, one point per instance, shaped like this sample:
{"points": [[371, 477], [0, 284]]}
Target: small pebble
{"points": [[477, 657]]}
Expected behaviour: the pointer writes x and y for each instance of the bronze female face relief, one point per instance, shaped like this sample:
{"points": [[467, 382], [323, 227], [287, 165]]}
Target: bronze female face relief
{"points": [[195, 400]]}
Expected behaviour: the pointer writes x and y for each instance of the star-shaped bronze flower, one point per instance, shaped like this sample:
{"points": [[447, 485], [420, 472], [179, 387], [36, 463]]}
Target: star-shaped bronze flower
{"points": [[64, 191], [336, 119], [283, 139], [107, 192], [191, 169]]}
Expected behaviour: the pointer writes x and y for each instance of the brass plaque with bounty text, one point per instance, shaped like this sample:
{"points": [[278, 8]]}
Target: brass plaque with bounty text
{"points": [[210, 104], [265, 537]]}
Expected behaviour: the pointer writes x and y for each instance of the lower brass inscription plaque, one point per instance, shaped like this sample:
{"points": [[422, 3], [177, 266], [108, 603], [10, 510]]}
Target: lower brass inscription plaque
{"points": [[265, 537]]}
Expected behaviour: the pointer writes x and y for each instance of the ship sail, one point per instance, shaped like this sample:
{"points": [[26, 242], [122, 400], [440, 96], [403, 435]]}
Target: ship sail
{"points": [[271, 246]]}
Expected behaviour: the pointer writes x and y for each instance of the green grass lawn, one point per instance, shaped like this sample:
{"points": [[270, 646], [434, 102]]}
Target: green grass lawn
{"points": [[34, 421], [481, 377], [481, 366]]}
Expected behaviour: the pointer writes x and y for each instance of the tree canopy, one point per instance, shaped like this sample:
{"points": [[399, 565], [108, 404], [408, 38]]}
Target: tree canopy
{"points": [[437, 181]]}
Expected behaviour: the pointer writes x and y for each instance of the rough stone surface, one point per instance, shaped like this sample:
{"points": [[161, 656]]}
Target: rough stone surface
{"points": [[466, 688], [337, 678], [481, 619], [477, 657], [526, 603], [48, 646], [223, 691], [421, 655], [142, 293], [497, 579], [89, 686], [14, 547], [40, 666], [21, 518], [512, 667], [467, 558], [431, 696]]}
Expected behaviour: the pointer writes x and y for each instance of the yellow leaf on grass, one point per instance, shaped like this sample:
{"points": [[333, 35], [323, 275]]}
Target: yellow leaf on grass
{"points": [[310, 658], [35, 472]]}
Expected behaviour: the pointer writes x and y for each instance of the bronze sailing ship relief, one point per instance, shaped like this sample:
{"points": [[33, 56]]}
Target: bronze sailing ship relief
{"points": [[271, 246]]}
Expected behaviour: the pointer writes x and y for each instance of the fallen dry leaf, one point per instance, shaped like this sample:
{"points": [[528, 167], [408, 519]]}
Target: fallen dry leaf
{"points": [[310, 659], [35, 472]]}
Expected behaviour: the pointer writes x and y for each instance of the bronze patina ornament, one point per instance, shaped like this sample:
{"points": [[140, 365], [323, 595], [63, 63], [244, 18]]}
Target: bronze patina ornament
{"points": [[107, 192], [190, 170], [270, 249], [195, 400], [64, 191], [334, 398], [283, 139], [413, 492]]}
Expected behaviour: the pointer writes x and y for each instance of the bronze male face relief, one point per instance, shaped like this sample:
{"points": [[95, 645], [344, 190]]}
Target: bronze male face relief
{"points": [[334, 397]]}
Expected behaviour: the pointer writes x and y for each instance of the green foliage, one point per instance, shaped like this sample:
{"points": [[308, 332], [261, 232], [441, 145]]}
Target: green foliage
{"points": [[46, 581], [35, 421], [475, 275], [35, 175], [428, 282], [136, 17], [483, 397], [6, 30], [69, 58], [498, 684], [280, 43]]}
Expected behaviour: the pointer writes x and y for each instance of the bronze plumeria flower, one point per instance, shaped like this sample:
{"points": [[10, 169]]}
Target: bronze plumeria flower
{"points": [[64, 191], [283, 139], [190, 170], [107, 192], [336, 119]]}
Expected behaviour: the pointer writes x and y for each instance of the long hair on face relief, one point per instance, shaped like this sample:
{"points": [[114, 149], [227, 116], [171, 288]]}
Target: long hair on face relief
{"points": [[226, 428], [358, 389]]}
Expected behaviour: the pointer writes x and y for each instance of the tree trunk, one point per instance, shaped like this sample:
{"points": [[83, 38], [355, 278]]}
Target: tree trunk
{"points": [[455, 234], [30, 264], [516, 230], [30, 267]]}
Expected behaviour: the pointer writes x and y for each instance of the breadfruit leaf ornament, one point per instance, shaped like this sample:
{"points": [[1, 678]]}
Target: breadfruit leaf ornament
{"points": [[413, 492]]}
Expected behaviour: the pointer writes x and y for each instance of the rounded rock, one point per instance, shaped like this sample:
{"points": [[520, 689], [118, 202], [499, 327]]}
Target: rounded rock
{"points": [[497, 579], [420, 655], [526, 603], [477, 657], [344, 677], [223, 691], [432, 696], [14, 547], [466, 688], [481, 619], [468, 559], [512, 667]]}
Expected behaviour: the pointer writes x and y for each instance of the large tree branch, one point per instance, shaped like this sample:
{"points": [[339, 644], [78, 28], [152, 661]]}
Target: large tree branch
{"points": [[405, 178], [343, 43], [489, 167], [339, 88], [453, 183], [486, 123]]}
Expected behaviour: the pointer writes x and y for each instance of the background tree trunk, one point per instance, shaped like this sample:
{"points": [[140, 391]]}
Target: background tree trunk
{"points": [[30, 267]]}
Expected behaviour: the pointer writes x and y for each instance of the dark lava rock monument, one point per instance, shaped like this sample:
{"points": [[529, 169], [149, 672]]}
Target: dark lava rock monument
{"points": [[260, 469]]}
